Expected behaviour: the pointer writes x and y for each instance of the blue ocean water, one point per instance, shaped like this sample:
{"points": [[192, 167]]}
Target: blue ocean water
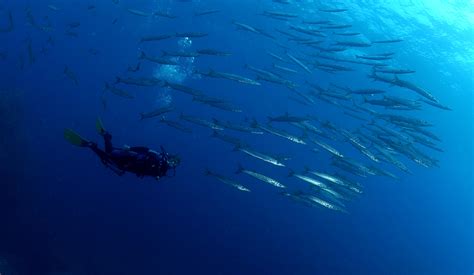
{"points": [[63, 212]]}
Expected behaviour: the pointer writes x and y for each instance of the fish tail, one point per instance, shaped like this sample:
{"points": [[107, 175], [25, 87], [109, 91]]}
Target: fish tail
{"points": [[306, 169], [291, 173], [237, 147], [254, 123], [239, 169]]}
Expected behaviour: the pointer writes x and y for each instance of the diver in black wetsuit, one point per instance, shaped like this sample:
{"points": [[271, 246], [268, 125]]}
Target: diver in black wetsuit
{"points": [[141, 161]]}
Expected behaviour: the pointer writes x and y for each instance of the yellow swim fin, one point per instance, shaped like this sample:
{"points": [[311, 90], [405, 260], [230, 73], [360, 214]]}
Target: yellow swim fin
{"points": [[74, 138], [99, 126]]}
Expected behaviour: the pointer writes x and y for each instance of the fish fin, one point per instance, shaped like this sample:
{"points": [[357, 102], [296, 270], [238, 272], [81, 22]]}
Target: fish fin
{"points": [[74, 138], [306, 169], [118, 79], [207, 172], [214, 134], [142, 116]]}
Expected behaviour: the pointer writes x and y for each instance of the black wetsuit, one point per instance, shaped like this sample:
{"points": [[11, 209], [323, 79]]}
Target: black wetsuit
{"points": [[138, 160]]}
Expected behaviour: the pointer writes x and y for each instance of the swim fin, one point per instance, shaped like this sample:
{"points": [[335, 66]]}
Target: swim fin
{"points": [[74, 138], [100, 127]]}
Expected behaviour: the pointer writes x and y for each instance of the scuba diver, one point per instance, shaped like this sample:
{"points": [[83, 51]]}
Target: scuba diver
{"points": [[141, 161]]}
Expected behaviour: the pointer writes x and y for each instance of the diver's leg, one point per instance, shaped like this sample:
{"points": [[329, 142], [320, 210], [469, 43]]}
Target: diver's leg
{"points": [[106, 158], [100, 153], [108, 142]]}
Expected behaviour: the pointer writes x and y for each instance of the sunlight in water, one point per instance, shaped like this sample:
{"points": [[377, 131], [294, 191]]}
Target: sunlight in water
{"points": [[185, 43], [171, 73], [174, 73], [164, 98], [177, 73]]}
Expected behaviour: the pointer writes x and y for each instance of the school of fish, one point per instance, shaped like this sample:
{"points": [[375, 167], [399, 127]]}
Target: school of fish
{"points": [[383, 120]]}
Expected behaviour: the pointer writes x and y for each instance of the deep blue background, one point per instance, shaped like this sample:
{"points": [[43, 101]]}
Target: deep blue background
{"points": [[66, 212]]}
